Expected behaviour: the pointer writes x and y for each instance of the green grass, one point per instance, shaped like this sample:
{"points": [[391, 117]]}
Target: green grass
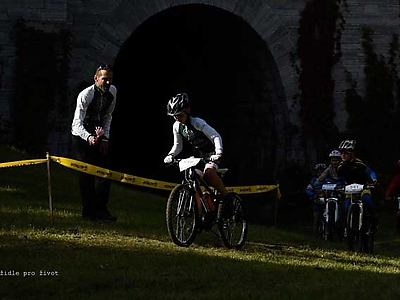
{"points": [[135, 259]]}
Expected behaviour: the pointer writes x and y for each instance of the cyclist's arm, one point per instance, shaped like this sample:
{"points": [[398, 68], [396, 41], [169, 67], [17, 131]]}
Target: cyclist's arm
{"points": [[210, 132], [323, 176], [178, 141], [394, 187], [340, 176], [310, 190], [371, 174]]}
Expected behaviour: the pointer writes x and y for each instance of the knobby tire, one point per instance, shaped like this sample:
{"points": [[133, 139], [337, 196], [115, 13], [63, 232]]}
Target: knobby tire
{"points": [[331, 226], [232, 222], [182, 215], [353, 232]]}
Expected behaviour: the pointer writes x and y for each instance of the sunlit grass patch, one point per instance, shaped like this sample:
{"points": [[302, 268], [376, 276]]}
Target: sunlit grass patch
{"points": [[134, 257]]}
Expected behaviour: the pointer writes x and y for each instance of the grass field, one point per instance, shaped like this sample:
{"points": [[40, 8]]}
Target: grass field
{"points": [[135, 259]]}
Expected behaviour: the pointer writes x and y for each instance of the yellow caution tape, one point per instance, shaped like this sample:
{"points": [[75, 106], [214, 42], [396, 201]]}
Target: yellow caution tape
{"points": [[114, 175], [156, 184], [130, 179], [20, 163], [252, 189]]}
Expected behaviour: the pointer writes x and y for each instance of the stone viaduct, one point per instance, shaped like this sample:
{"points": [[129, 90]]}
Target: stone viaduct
{"points": [[232, 56]]}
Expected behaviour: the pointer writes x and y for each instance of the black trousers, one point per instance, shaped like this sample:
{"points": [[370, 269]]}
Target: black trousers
{"points": [[95, 191]]}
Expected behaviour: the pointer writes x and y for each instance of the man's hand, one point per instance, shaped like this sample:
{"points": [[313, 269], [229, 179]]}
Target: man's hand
{"points": [[92, 140]]}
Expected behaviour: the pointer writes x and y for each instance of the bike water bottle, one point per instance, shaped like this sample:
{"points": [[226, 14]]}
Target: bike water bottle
{"points": [[209, 201]]}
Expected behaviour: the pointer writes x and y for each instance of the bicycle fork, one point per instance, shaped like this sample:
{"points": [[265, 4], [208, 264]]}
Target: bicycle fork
{"points": [[360, 214], [327, 208]]}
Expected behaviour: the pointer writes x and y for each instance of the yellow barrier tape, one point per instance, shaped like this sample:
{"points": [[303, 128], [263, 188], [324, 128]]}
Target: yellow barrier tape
{"points": [[114, 175], [20, 163], [156, 184], [253, 189]]}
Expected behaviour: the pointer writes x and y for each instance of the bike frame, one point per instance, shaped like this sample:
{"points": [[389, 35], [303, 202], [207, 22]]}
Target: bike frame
{"points": [[329, 190], [193, 179]]}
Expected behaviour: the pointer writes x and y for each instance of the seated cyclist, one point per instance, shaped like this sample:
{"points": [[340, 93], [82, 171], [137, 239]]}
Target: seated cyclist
{"points": [[312, 192], [204, 141], [353, 170]]}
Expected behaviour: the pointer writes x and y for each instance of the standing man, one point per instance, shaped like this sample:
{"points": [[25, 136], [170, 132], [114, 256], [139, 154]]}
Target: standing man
{"points": [[90, 134]]}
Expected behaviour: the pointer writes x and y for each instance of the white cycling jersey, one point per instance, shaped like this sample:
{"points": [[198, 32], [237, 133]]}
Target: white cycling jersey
{"points": [[200, 125]]}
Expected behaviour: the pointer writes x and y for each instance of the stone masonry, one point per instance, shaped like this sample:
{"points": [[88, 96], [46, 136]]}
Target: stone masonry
{"points": [[101, 27]]}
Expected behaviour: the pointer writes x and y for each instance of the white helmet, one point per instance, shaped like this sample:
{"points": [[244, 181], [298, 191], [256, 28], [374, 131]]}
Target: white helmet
{"points": [[334, 153], [347, 145]]}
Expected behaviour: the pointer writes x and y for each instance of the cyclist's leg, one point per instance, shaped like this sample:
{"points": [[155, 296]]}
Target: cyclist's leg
{"points": [[369, 205], [317, 212], [212, 178], [346, 205]]}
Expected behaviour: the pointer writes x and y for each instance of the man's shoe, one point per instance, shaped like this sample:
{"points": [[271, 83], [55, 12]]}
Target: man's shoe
{"points": [[90, 218], [108, 218]]}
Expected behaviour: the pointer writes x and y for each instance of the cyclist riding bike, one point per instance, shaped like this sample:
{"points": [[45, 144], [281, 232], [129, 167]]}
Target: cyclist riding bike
{"points": [[204, 141], [393, 190], [353, 170], [312, 193], [330, 173], [394, 186]]}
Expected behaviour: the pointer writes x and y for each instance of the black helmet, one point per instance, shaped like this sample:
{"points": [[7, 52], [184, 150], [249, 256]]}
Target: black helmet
{"points": [[177, 104], [347, 145]]}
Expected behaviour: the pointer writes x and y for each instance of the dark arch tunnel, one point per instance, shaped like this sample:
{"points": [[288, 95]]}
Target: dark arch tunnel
{"points": [[231, 79]]}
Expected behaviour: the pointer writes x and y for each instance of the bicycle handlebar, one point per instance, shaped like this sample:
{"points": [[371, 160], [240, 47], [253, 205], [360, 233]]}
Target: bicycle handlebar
{"points": [[354, 188]]}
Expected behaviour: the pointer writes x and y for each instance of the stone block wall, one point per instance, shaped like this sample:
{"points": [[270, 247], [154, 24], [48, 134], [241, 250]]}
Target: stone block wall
{"points": [[100, 28]]}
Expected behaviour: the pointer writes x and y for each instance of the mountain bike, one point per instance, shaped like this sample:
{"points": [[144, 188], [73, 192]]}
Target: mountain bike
{"points": [[360, 232], [332, 223], [193, 206]]}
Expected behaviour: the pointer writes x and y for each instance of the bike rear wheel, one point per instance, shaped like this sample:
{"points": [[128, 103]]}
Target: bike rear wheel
{"points": [[182, 215], [232, 223]]}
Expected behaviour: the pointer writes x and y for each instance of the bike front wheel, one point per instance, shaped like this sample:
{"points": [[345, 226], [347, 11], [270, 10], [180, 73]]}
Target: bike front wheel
{"points": [[331, 224], [368, 237], [182, 215], [232, 222], [353, 229]]}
